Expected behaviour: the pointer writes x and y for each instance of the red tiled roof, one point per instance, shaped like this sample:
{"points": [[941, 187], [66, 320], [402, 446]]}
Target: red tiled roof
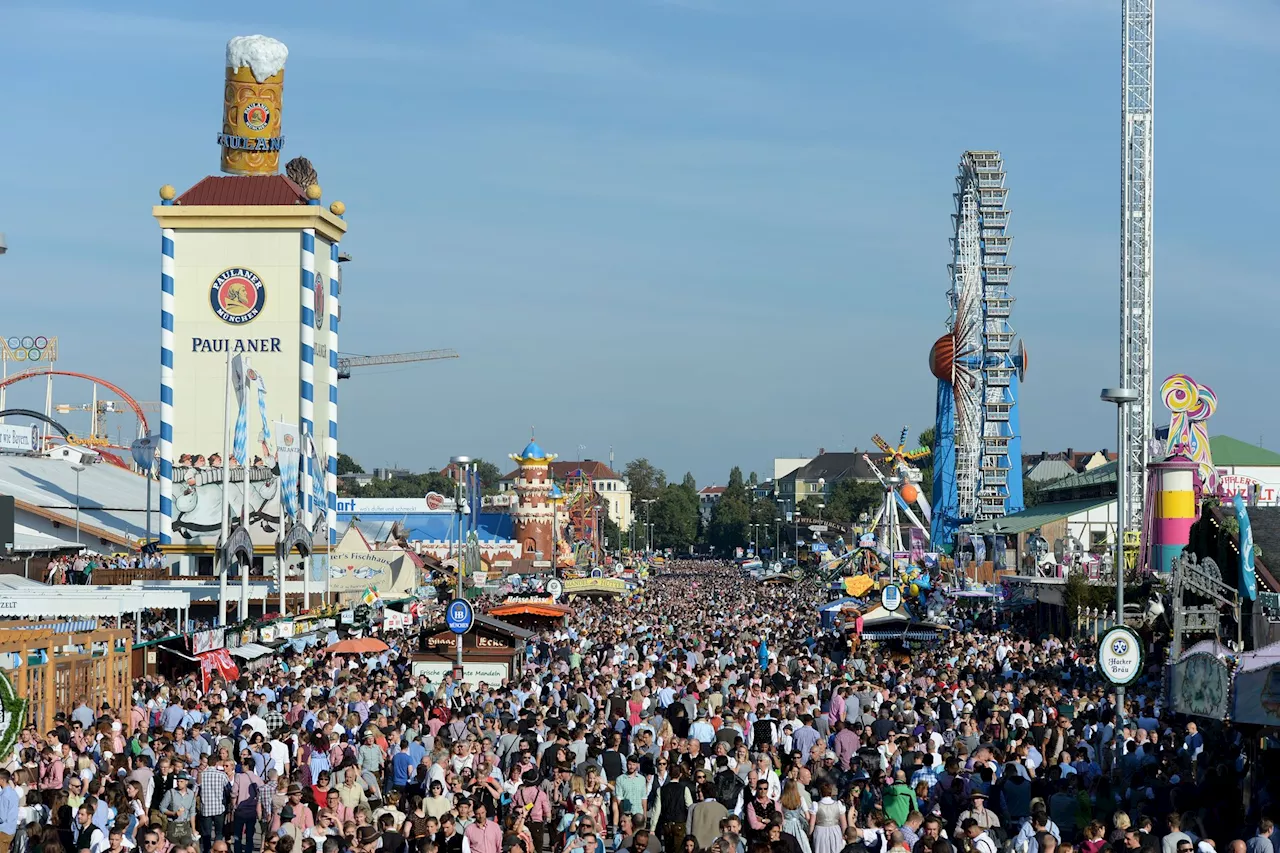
{"points": [[711, 490], [244, 190], [595, 470]]}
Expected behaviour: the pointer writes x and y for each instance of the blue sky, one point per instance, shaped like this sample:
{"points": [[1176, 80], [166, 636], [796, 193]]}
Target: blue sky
{"points": [[703, 231]]}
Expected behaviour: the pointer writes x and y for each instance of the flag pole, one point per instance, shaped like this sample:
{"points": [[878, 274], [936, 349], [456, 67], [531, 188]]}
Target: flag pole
{"points": [[226, 498], [244, 502]]}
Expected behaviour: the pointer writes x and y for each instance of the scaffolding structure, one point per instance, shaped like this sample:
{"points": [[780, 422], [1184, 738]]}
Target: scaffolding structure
{"points": [[1000, 476], [979, 364], [1137, 133]]}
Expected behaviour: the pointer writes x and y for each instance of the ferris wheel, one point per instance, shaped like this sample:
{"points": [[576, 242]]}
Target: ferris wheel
{"points": [[978, 443]]}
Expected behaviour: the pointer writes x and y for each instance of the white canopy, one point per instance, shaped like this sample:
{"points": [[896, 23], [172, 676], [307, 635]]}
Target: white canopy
{"points": [[197, 590], [21, 598], [250, 651]]}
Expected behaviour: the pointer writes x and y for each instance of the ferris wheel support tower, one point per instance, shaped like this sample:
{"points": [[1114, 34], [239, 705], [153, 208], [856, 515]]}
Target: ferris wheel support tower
{"points": [[1137, 134]]}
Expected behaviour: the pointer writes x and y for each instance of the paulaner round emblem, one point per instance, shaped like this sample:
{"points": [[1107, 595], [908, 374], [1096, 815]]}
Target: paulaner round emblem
{"points": [[257, 116], [237, 296]]}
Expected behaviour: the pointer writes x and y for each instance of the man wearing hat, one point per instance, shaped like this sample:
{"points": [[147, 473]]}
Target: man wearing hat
{"points": [[288, 828], [302, 817], [531, 801], [978, 811]]}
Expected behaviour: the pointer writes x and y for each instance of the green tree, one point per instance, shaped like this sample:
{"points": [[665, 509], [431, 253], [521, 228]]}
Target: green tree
{"points": [[613, 536], [730, 524], [689, 483], [1033, 491], [347, 465], [413, 486], [489, 476], [926, 439], [808, 508], [849, 498], [674, 514], [644, 479]]}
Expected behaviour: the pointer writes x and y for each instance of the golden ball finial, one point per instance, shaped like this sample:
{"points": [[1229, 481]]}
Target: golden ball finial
{"points": [[167, 192], [337, 208], [313, 192]]}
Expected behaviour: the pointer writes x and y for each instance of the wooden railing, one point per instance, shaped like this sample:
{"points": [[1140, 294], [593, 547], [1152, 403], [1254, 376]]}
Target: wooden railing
{"points": [[124, 577]]}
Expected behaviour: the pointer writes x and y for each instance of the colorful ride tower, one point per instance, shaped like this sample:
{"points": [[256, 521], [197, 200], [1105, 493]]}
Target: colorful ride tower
{"points": [[534, 516]]}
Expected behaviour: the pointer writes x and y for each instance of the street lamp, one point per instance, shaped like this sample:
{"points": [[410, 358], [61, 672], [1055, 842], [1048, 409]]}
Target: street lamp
{"points": [[459, 464], [77, 467], [648, 526], [1121, 397], [821, 507], [777, 537]]}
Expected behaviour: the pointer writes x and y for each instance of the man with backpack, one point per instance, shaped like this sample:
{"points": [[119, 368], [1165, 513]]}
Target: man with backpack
{"points": [[246, 804], [727, 786]]}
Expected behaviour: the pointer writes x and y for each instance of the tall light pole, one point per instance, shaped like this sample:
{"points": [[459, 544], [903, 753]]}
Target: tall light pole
{"points": [[648, 526], [459, 464], [777, 537], [556, 498], [77, 467], [1121, 397]]}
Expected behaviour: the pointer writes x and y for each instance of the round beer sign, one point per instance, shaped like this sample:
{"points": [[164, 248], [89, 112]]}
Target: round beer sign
{"points": [[237, 295], [1120, 655]]}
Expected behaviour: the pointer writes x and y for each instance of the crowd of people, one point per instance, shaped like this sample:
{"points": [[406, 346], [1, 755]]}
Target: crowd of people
{"points": [[706, 713], [78, 570]]}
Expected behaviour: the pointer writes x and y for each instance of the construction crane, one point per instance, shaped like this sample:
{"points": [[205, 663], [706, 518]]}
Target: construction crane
{"points": [[100, 410], [1137, 115], [346, 361]]}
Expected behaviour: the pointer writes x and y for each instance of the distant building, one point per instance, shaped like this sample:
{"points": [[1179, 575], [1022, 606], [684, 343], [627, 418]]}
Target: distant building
{"points": [[829, 468], [782, 466], [355, 481], [708, 497], [391, 473], [1046, 467], [609, 486], [1247, 470]]}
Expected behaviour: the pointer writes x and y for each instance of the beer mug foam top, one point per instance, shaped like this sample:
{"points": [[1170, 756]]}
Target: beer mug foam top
{"points": [[251, 139]]}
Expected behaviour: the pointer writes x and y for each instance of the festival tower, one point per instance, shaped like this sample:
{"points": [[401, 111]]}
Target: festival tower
{"points": [[250, 268], [532, 518]]}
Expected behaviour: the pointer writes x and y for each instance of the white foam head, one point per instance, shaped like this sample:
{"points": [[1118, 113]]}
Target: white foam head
{"points": [[264, 55]]}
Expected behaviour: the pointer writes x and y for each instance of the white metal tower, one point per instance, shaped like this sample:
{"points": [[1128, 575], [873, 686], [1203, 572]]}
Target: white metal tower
{"points": [[966, 322], [999, 418], [1137, 133]]}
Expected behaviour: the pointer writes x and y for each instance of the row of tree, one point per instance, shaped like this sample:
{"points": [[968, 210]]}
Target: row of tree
{"points": [[411, 485], [673, 508]]}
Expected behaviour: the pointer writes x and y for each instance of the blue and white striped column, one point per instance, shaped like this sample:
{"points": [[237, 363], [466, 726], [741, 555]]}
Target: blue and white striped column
{"points": [[331, 476], [166, 384], [306, 411]]}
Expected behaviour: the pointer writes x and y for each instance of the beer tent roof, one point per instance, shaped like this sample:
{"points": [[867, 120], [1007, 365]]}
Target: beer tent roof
{"points": [[27, 599]]}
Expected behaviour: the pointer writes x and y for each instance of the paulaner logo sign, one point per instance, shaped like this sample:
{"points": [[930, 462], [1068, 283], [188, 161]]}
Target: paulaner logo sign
{"points": [[237, 295]]}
